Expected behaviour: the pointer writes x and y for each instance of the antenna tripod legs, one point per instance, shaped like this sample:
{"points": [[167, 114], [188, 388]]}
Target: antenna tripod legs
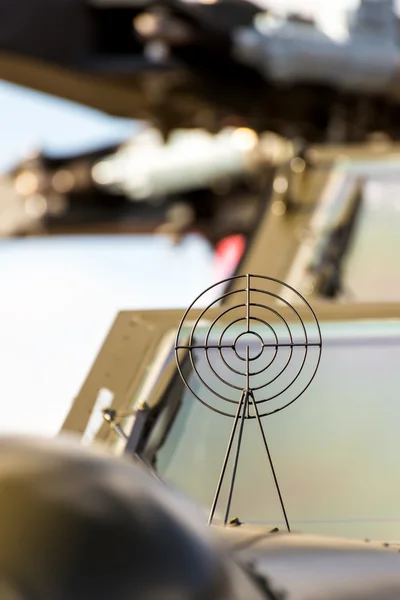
{"points": [[242, 414], [271, 464]]}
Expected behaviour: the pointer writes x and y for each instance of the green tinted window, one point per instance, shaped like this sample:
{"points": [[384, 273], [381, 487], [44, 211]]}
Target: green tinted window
{"points": [[335, 449]]}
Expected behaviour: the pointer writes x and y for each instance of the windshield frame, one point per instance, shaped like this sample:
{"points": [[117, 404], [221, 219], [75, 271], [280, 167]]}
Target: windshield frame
{"points": [[172, 398], [171, 380], [132, 345]]}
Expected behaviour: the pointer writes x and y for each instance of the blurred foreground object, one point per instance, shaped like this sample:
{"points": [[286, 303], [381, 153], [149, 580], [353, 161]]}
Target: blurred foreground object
{"points": [[207, 64], [321, 208], [78, 524], [213, 184]]}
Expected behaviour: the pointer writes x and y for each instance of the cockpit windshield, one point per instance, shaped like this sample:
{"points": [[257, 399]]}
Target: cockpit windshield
{"points": [[371, 267], [349, 252], [335, 449]]}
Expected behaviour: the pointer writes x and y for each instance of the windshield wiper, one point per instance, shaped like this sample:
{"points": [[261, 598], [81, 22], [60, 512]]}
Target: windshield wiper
{"points": [[316, 267], [327, 268]]}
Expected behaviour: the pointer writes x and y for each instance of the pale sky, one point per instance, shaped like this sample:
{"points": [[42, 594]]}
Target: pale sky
{"points": [[317, 7], [59, 297]]}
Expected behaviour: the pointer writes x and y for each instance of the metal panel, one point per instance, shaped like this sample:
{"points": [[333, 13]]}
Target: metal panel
{"points": [[135, 337]]}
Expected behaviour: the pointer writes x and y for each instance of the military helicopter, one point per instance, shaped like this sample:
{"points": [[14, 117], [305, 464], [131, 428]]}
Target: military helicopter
{"points": [[335, 449], [135, 402]]}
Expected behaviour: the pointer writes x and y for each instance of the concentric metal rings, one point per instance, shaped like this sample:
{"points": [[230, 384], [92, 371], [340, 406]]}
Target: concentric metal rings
{"points": [[261, 343]]}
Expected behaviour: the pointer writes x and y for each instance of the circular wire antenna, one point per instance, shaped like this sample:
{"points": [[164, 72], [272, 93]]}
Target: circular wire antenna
{"points": [[266, 341]]}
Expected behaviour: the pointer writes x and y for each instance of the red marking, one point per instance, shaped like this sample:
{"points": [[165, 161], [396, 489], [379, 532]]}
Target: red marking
{"points": [[228, 254]]}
